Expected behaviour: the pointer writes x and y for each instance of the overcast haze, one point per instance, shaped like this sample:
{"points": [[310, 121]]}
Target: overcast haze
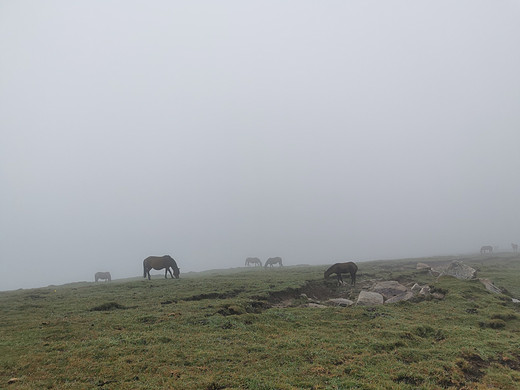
{"points": [[213, 131]]}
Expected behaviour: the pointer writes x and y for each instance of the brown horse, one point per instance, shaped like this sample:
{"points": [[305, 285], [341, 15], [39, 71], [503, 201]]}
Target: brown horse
{"points": [[158, 263], [343, 268], [253, 260], [273, 260], [103, 275], [486, 249]]}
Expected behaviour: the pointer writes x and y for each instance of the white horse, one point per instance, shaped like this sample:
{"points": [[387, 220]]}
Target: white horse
{"points": [[273, 260], [103, 275], [253, 260], [486, 249]]}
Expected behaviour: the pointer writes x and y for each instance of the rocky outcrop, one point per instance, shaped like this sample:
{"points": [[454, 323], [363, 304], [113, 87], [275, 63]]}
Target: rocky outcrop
{"points": [[369, 298], [490, 286], [460, 271], [389, 289], [398, 298]]}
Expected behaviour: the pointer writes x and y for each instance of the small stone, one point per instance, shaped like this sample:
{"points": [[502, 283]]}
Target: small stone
{"points": [[425, 291], [398, 298], [341, 302], [316, 305]]}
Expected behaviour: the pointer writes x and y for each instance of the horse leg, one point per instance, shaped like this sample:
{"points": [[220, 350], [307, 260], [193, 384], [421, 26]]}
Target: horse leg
{"points": [[171, 274]]}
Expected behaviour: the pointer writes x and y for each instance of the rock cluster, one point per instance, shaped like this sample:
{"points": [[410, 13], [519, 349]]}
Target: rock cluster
{"points": [[391, 291], [459, 271]]}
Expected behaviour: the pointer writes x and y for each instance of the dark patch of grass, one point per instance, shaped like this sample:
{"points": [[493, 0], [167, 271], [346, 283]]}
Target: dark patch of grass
{"points": [[425, 331], [472, 365], [409, 379], [493, 324], [108, 306], [504, 316], [224, 295], [150, 319], [391, 346]]}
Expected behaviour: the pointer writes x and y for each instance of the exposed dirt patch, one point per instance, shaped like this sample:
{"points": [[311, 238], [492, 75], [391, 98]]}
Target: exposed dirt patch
{"points": [[513, 362], [318, 291], [224, 295], [472, 366], [108, 306]]}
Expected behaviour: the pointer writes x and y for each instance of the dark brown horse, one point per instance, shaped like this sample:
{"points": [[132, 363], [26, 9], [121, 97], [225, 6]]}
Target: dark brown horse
{"points": [[158, 263], [273, 260], [343, 268], [253, 260], [103, 275]]}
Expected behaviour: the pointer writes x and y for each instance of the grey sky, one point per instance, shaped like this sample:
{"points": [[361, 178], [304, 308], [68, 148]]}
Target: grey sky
{"points": [[213, 131]]}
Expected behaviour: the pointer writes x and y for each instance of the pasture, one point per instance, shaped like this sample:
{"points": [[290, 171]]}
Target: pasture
{"points": [[246, 328]]}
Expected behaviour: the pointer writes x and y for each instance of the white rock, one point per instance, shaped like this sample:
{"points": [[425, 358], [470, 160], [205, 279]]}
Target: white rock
{"points": [[398, 298], [341, 302], [369, 298], [425, 291], [490, 286], [389, 289], [460, 271], [316, 305]]}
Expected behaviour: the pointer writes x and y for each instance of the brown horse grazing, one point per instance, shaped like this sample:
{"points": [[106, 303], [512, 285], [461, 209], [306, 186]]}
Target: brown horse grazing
{"points": [[343, 268], [157, 263], [486, 249], [515, 247], [273, 260], [253, 260], [103, 275]]}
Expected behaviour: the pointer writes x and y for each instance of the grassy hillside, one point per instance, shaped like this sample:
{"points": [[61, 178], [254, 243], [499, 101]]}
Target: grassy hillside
{"points": [[247, 328]]}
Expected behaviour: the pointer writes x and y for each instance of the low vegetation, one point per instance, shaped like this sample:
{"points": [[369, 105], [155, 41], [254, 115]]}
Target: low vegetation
{"points": [[248, 329]]}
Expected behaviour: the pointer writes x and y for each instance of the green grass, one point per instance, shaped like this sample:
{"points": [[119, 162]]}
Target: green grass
{"points": [[245, 329]]}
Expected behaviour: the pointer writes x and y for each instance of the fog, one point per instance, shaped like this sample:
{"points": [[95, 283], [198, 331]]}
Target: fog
{"points": [[213, 131]]}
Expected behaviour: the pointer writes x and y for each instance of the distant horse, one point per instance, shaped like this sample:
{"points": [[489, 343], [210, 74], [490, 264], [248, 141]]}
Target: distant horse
{"points": [[103, 275], [273, 260], [342, 268], [158, 263], [253, 260], [515, 247], [486, 249]]}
